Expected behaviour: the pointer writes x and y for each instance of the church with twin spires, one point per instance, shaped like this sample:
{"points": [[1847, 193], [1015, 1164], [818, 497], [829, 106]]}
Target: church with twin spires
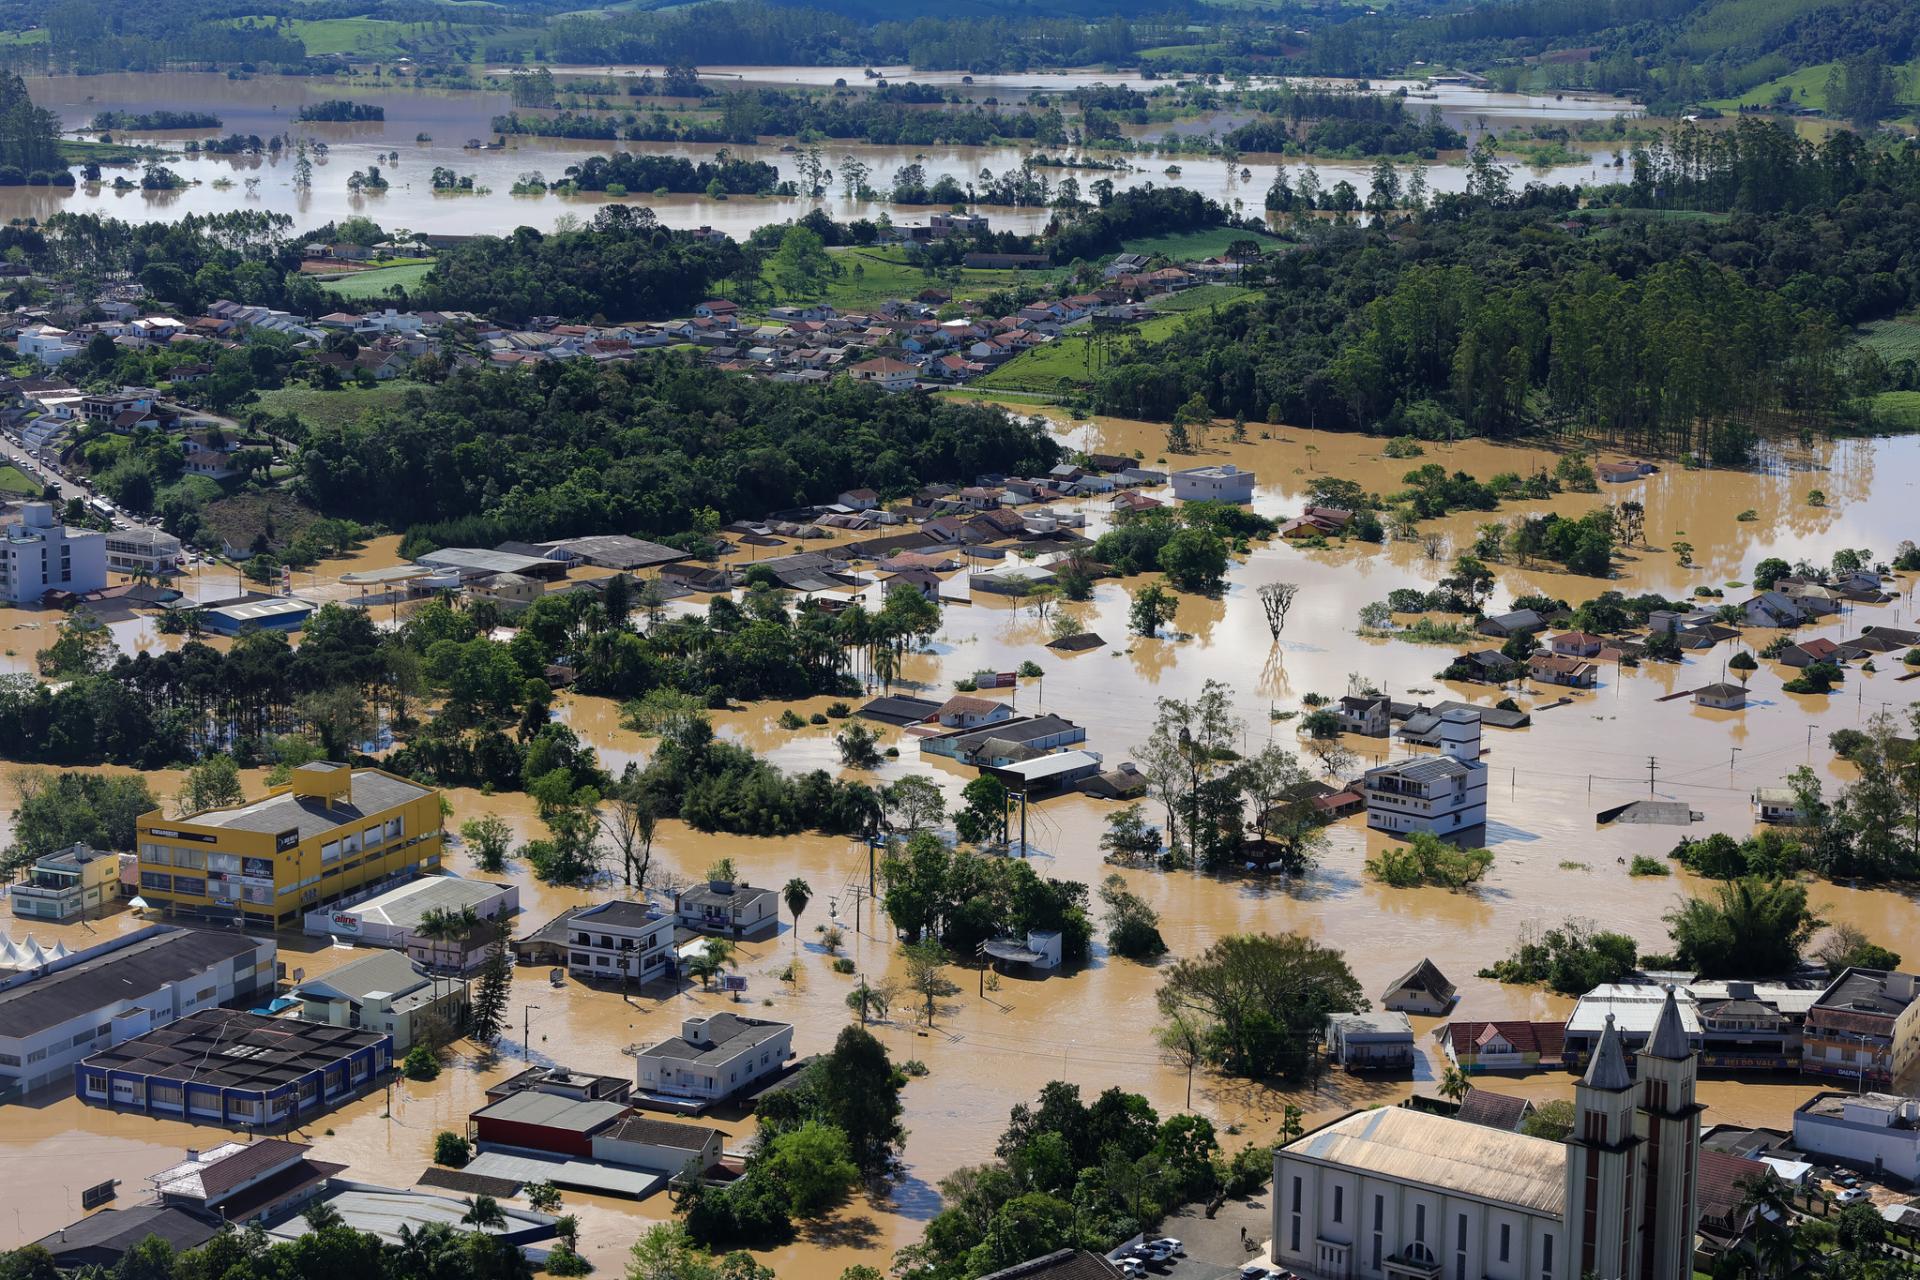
{"points": [[1399, 1194]]}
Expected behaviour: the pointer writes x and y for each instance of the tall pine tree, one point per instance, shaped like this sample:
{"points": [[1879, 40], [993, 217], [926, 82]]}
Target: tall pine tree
{"points": [[490, 996]]}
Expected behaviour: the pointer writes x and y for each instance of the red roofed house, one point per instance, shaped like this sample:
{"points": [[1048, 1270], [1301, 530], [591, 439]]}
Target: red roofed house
{"points": [[1502, 1046], [963, 711]]}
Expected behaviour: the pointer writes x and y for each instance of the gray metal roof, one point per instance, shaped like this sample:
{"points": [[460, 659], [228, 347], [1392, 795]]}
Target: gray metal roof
{"points": [[380, 973], [1423, 769], [481, 560], [554, 1111], [617, 551], [136, 970], [727, 1036], [373, 792], [404, 907], [1470, 1160]]}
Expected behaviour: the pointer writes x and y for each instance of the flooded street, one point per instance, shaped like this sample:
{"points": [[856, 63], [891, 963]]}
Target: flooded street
{"points": [[1094, 1026], [266, 105]]}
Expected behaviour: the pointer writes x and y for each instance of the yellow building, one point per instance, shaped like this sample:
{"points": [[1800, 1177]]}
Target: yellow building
{"points": [[335, 830]]}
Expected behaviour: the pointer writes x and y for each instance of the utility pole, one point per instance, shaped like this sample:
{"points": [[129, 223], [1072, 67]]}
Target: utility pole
{"points": [[1652, 765], [526, 1029]]}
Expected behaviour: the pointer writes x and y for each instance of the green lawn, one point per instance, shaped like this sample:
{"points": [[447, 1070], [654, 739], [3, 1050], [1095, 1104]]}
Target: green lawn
{"points": [[14, 480], [331, 408], [36, 36], [375, 283], [1191, 246], [1062, 365], [885, 273]]}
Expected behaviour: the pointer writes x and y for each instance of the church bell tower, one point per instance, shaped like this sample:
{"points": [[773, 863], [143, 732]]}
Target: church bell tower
{"points": [[1603, 1161], [1670, 1155]]}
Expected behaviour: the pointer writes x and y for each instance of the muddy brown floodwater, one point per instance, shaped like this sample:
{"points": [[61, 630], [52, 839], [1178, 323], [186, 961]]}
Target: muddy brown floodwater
{"points": [[1094, 1026], [429, 128]]}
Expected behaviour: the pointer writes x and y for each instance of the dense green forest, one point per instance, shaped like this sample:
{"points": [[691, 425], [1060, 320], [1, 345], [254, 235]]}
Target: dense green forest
{"points": [[29, 136], [639, 447], [1496, 315]]}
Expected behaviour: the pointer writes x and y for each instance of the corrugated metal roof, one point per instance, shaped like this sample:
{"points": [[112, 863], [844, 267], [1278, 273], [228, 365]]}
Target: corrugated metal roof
{"points": [[1438, 1151]]}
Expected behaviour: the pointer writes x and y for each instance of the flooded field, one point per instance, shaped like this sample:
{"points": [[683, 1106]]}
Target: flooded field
{"points": [[267, 105], [992, 1049]]}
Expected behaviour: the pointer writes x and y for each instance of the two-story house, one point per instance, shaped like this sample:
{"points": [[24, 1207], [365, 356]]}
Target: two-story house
{"points": [[625, 941]]}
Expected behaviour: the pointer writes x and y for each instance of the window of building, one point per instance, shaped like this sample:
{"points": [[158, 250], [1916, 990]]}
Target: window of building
{"points": [[1546, 1256], [1506, 1240], [1420, 1224], [330, 851], [350, 843], [195, 885], [1460, 1248], [160, 855], [1293, 1233], [371, 836], [1379, 1228], [192, 859], [394, 827], [1339, 1202], [156, 880]]}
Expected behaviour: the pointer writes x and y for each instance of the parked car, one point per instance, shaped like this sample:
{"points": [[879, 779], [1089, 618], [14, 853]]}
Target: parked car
{"points": [[1853, 1195], [1170, 1244], [1131, 1268]]}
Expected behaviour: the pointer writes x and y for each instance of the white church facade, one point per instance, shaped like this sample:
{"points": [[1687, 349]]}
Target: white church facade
{"points": [[1398, 1194]]}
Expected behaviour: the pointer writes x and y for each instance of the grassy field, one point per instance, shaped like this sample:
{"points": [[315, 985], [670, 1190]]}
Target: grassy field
{"points": [[1190, 246], [885, 273], [1897, 339], [331, 408], [36, 36], [375, 283], [1809, 88], [1898, 408], [14, 480], [1062, 365], [1200, 298]]}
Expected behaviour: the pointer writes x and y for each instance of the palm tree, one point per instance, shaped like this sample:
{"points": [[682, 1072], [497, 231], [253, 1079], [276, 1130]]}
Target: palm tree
{"points": [[1454, 1085], [566, 1229], [710, 959], [1767, 1209], [797, 893], [484, 1212], [321, 1215]]}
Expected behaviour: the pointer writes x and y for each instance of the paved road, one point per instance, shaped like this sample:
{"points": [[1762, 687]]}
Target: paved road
{"points": [[18, 454]]}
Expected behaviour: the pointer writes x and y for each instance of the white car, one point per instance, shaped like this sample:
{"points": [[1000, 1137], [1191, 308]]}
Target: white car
{"points": [[1131, 1268], [1853, 1195], [1170, 1244]]}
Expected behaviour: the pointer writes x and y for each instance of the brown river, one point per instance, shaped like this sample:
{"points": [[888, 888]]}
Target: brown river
{"points": [[1094, 1026], [266, 105]]}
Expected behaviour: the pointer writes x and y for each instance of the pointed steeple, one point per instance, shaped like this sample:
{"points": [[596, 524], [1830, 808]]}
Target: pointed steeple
{"points": [[1669, 1037], [1608, 1067]]}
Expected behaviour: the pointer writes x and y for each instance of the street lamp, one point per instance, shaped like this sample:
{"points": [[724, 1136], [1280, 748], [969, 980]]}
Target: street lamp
{"points": [[526, 1029]]}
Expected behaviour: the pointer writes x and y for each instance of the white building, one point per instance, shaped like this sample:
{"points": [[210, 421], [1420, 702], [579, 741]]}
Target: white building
{"points": [[630, 941], [404, 918], [53, 1015], [47, 344], [1438, 794], [715, 1057], [1877, 1131], [1222, 483], [142, 550], [1776, 804], [40, 555], [727, 909], [1398, 1194]]}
